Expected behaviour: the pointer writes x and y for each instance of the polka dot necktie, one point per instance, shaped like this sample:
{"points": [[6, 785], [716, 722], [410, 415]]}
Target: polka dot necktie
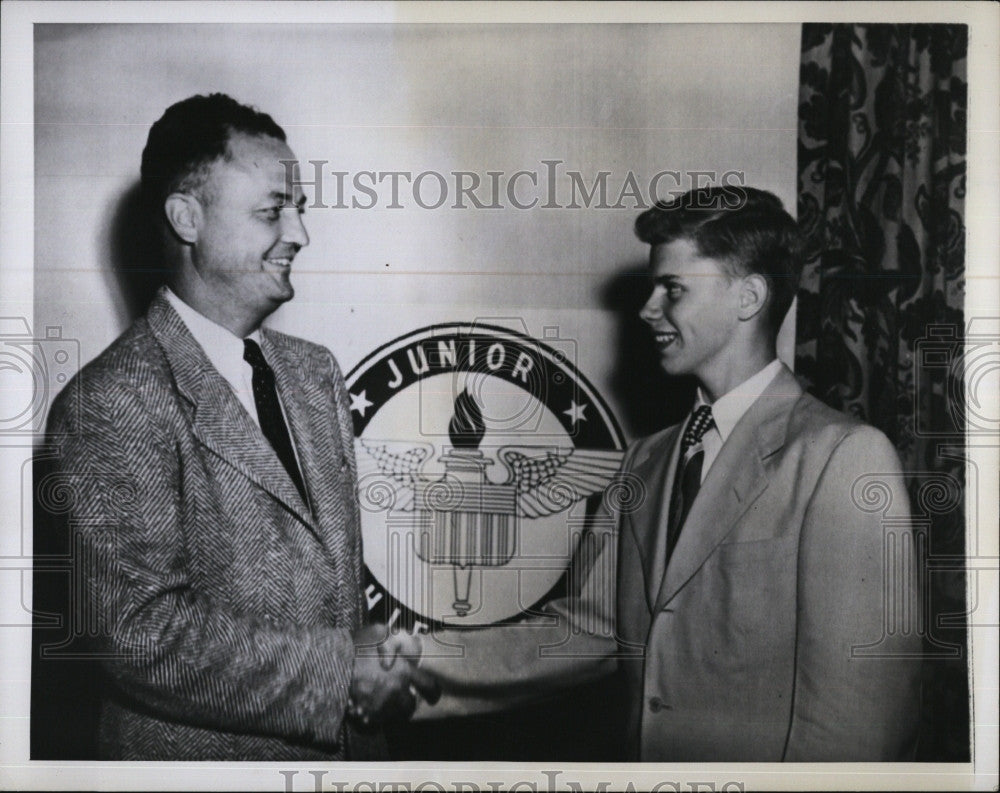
{"points": [[688, 477], [272, 422]]}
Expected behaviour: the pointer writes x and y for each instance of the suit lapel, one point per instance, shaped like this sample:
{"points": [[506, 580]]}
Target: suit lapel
{"points": [[308, 423], [317, 441], [736, 479], [220, 421], [656, 470]]}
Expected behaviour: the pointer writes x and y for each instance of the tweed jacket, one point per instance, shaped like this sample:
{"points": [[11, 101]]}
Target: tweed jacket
{"points": [[221, 603]]}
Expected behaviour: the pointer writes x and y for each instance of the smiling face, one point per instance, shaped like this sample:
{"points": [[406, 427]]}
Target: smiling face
{"points": [[693, 312], [250, 231]]}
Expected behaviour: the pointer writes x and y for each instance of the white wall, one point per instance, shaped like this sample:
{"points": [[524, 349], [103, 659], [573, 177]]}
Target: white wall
{"points": [[619, 98]]}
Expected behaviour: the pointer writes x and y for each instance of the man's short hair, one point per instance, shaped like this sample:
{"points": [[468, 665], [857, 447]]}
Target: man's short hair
{"points": [[744, 227], [189, 137]]}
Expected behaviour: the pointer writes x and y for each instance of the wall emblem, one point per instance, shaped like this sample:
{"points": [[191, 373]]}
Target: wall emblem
{"points": [[480, 452]]}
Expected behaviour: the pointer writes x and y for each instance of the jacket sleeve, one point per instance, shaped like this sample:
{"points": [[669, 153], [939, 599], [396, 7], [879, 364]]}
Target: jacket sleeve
{"points": [[175, 651], [569, 641], [857, 666]]}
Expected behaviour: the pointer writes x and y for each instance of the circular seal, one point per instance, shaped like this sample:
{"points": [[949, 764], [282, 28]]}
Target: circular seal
{"points": [[479, 450]]}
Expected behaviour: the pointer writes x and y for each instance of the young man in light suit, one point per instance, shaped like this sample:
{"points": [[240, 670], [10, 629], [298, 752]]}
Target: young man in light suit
{"points": [[211, 478], [754, 574], [755, 588]]}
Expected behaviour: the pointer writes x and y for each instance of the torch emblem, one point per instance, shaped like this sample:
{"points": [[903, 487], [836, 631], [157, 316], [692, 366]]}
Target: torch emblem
{"points": [[465, 520], [476, 525]]}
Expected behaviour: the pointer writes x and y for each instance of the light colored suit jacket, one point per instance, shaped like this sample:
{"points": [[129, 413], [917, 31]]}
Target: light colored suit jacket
{"points": [[221, 603], [772, 633]]}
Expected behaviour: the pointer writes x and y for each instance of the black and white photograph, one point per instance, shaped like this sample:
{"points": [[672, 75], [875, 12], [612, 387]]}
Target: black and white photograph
{"points": [[499, 396]]}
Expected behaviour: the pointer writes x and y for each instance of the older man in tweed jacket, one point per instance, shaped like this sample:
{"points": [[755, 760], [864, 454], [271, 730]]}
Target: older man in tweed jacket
{"points": [[214, 497]]}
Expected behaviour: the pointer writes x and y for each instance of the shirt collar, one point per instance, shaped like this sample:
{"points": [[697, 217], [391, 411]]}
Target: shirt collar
{"points": [[728, 409], [223, 348]]}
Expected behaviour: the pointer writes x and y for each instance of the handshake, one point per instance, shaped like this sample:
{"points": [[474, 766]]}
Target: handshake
{"points": [[387, 678]]}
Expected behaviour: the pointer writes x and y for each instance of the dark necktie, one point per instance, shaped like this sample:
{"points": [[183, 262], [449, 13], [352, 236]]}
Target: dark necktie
{"points": [[272, 422], [688, 477]]}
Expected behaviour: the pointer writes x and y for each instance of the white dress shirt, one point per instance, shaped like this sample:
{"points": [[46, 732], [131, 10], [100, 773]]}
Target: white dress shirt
{"points": [[728, 409], [225, 350]]}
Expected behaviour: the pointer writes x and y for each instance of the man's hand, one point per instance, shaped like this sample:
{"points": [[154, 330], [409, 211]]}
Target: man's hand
{"points": [[386, 679]]}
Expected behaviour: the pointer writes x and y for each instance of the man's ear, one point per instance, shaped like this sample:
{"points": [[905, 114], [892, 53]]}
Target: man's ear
{"points": [[754, 292], [184, 216]]}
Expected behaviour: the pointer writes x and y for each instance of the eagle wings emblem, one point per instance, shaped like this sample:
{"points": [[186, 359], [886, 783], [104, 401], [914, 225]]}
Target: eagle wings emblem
{"points": [[546, 479]]}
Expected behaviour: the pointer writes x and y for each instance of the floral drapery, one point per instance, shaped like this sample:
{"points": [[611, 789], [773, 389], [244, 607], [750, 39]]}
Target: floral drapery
{"points": [[880, 323]]}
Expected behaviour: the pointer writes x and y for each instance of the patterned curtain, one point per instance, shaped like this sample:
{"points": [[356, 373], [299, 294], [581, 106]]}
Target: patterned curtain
{"points": [[881, 183]]}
